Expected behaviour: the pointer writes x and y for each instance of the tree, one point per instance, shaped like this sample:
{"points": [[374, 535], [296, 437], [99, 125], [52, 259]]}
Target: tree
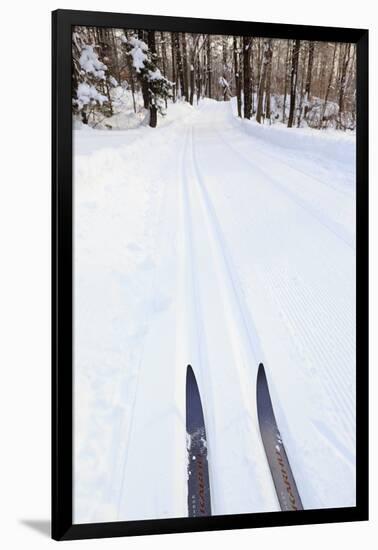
{"points": [[163, 59], [322, 117], [130, 71], [151, 90], [268, 80], [237, 75], [293, 81], [247, 42], [157, 87], [312, 81], [302, 87], [144, 83], [88, 76], [185, 66], [194, 63], [173, 65], [208, 65], [344, 67], [286, 78], [180, 69], [309, 76], [266, 65]]}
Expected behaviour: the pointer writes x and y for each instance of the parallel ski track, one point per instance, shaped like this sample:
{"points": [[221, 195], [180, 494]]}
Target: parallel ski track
{"points": [[240, 327], [190, 348]]}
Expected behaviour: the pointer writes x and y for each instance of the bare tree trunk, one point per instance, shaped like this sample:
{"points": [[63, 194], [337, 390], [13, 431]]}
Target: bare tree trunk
{"points": [[131, 77], [204, 74], [237, 75], [199, 76], [267, 57], [174, 74], [268, 80], [259, 61], [224, 55], [253, 85], [304, 56], [208, 64], [247, 77], [180, 70], [286, 81], [309, 76], [293, 81], [322, 73], [163, 59], [278, 68], [344, 67], [185, 66], [328, 87], [116, 60], [192, 71], [153, 109]]}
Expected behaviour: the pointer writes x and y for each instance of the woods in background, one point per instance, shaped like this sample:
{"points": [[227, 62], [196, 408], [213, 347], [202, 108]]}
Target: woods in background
{"points": [[295, 82]]}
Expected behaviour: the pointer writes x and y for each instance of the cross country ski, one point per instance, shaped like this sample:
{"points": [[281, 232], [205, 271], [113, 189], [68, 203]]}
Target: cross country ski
{"points": [[283, 479], [198, 473]]}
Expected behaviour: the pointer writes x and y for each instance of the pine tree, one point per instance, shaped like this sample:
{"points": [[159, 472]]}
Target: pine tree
{"points": [[157, 87], [88, 77]]}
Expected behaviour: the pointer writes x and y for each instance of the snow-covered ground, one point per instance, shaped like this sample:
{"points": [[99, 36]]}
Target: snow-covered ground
{"points": [[220, 243]]}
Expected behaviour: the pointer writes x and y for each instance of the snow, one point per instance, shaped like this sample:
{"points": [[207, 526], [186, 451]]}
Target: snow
{"points": [[218, 243], [138, 53], [223, 82], [90, 63], [113, 81], [88, 94], [155, 75]]}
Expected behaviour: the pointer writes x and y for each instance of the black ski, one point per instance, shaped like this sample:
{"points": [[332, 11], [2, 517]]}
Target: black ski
{"points": [[198, 473], [283, 479]]}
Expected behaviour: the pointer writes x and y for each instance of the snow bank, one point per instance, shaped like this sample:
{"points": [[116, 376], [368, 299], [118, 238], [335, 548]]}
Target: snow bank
{"points": [[125, 118], [119, 184], [339, 146]]}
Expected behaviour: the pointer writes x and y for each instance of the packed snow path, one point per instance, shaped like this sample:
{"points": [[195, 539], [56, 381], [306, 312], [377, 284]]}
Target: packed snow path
{"points": [[206, 242]]}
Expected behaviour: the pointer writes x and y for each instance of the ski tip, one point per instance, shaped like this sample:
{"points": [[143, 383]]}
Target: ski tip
{"points": [[189, 373], [261, 371], [261, 382]]}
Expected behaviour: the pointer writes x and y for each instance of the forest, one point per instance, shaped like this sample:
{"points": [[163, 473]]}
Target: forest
{"points": [[297, 83], [214, 208]]}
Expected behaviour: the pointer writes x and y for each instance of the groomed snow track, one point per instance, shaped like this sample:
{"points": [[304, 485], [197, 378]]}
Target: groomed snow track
{"points": [[247, 271]]}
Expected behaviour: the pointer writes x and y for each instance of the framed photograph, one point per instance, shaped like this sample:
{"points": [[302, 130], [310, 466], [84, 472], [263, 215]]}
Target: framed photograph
{"points": [[210, 274]]}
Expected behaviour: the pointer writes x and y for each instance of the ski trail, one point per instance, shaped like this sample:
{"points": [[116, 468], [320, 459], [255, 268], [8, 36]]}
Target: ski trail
{"points": [[217, 254], [228, 353], [190, 347]]}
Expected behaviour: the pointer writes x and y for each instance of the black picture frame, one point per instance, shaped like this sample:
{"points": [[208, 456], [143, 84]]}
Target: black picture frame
{"points": [[62, 263]]}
